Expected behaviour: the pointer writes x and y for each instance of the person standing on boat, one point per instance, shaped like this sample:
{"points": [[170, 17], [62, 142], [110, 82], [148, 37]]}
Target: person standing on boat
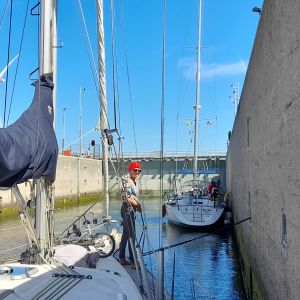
{"points": [[213, 191], [212, 186], [130, 205]]}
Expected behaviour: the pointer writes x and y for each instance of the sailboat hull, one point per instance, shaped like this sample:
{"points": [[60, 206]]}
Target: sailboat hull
{"points": [[199, 214]]}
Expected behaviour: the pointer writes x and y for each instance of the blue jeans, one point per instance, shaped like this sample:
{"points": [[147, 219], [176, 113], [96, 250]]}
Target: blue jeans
{"points": [[128, 230]]}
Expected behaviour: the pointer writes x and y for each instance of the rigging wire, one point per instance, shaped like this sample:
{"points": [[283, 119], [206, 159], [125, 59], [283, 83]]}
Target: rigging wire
{"points": [[145, 234], [89, 51], [112, 151], [179, 105], [116, 103], [118, 115], [112, 148], [162, 121], [92, 62], [115, 86], [14, 248], [90, 54], [89, 48], [3, 14], [76, 140], [114, 57], [7, 62], [143, 215], [194, 239], [17, 67], [115, 90], [215, 97], [120, 144], [128, 77]]}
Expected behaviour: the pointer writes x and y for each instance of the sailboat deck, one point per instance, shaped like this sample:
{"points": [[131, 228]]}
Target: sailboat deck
{"points": [[49, 282], [152, 282]]}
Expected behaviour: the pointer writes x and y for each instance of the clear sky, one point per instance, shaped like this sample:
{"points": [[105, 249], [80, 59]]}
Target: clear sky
{"points": [[228, 32]]}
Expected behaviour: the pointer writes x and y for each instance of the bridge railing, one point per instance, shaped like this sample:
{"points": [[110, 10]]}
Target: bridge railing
{"points": [[156, 154], [95, 153]]}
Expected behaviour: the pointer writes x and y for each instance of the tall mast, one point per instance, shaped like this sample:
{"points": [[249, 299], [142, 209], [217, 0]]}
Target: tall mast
{"points": [[103, 103], [47, 64], [197, 104]]}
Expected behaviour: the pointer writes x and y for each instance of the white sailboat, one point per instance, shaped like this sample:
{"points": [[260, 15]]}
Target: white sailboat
{"points": [[191, 204], [64, 272]]}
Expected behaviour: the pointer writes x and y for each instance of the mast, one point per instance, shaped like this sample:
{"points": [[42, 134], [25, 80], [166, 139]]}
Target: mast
{"points": [[103, 103], [47, 64], [197, 104]]}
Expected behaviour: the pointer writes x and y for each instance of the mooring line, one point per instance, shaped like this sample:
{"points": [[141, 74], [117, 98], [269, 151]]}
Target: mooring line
{"points": [[10, 228], [191, 240], [14, 248]]}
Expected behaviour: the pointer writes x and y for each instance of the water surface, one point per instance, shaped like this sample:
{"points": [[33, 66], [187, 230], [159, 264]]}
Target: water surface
{"points": [[207, 268]]}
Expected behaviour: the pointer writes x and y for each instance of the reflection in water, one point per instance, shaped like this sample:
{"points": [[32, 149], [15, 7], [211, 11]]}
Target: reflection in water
{"points": [[206, 268], [205, 265]]}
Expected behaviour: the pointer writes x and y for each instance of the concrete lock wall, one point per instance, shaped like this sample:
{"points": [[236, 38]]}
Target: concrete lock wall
{"points": [[149, 181], [7, 198], [90, 176], [263, 157], [90, 179], [67, 181]]}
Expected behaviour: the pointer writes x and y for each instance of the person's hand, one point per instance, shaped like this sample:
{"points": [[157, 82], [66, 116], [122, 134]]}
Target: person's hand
{"points": [[139, 207]]}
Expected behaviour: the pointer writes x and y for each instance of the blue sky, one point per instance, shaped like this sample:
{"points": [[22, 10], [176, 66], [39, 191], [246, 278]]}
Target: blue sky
{"points": [[228, 31]]}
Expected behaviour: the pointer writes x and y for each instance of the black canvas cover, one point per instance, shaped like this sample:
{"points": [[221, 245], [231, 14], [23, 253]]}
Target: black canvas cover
{"points": [[28, 147]]}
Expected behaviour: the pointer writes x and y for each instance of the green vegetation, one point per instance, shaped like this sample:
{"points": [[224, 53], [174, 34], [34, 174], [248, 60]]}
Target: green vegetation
{"points": [[74, 201], [59, 203], [8, 211], [147, 194]]}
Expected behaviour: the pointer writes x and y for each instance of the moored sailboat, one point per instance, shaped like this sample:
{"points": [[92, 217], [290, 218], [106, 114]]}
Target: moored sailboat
{"points": [[191, 204]]}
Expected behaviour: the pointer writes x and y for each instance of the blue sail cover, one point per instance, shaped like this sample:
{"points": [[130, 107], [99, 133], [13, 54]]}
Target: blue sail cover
{"points": [[28, 147]]}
